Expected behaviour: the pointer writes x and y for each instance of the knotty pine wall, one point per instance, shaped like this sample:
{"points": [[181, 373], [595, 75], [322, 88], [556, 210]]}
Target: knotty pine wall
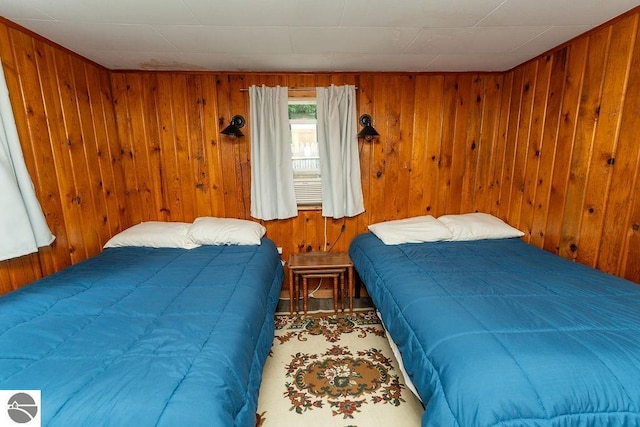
{"points": [[567, 169], [66, 122], [548, 147], [437, 134]]}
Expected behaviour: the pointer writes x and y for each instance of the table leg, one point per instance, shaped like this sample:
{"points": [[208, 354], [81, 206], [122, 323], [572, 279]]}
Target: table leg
{"points": [[291, 296], [305, 290], [296, 292], [351, 289], [335, 293], [342, 291]]}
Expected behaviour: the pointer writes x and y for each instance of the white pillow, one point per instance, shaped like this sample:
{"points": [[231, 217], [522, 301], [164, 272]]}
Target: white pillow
{"points": [[478, 226], [411, 230], [154, 234], [225, 231]]}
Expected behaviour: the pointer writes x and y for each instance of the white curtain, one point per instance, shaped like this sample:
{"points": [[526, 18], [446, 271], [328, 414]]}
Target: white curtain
{"points": [[338, 147], [272, 195], [23, 228]]}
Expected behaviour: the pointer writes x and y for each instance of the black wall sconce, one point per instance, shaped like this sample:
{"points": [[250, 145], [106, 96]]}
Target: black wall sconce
{"points": [[233, 130], [367, 132]]}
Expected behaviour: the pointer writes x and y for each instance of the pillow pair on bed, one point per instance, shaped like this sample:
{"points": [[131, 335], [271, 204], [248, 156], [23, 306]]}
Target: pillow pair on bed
{"points": [[203, 231], [471, 226]]}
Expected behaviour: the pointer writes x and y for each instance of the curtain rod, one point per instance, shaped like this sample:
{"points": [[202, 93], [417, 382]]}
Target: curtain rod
{"points": [[293, 89]]}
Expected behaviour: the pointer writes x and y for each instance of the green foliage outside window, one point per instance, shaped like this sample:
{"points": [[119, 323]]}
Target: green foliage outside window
{"points": [[302, 111]]}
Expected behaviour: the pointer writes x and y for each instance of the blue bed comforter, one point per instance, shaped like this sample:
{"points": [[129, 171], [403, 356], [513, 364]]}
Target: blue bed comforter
{"points": [[145, 337], [498, 332]]}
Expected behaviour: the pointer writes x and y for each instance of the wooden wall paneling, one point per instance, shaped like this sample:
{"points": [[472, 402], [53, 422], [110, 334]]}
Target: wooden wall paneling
{"points": [[19, 271], [608, 116], [149, 156], [197, 142], [82, 238], [456, 171], [549, 140], [530, 146], [173, 149], [365, 105], [619, 227], [447, 139], [472, 142], [419, 163], [631, 265], [584, 140], [531, 177], [58, 102], [240, 103], [498, 171], [185, 177], [487, 146], [211, 135], [227, 145], [378, 170], [404, 148], [118, 83], [126, 117], [110, 182], [434, 129], [6, 281], [314, 232], [514, 116], [95, 206], [391, 207], [573, 78], [522, 144], [33, 129], [58, 180]]}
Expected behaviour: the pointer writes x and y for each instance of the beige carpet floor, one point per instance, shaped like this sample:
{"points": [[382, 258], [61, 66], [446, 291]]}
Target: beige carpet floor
{"points": [[334, 370]]}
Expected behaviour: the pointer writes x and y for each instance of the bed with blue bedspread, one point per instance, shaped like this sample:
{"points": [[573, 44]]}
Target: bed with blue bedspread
{"points": [[143, 337], [500, 333]]}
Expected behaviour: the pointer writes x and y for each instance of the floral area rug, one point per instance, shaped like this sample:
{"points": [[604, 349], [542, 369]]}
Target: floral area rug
{"points": [[334, 370]]}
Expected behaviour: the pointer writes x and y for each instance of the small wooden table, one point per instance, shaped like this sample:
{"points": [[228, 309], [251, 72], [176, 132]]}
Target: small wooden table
{"points": [[312, 265]]}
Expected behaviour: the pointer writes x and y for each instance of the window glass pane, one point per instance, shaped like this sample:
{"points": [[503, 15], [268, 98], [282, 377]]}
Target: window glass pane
{"points": [[304, 150]]}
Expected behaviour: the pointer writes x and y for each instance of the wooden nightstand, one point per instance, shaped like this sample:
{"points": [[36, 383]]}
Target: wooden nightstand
{"points": [[312, 265]]}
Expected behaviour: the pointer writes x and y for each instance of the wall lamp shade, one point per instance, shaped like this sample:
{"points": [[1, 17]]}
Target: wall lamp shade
{"points": [[233, 130], [367, 132]]}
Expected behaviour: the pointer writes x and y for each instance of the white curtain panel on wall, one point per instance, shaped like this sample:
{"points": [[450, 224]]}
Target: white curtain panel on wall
{"points": [[23, 228], [272, 193], [338, 147]]}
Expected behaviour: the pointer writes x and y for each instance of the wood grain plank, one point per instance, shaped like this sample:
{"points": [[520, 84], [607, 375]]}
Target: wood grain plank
{"points": [[447, 140], [460, 144], [608, 116], [499, 167], [535, 146], [584, 140], [488, 146], [573, 83], [522, 144], [549, 144], [620, 226]]}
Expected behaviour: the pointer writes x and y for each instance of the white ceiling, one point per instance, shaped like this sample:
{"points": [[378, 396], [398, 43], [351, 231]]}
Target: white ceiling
{"points": [[311, 35]]}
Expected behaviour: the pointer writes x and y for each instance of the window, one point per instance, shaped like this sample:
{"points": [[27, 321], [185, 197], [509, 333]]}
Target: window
{"points": [[304, 151]]}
